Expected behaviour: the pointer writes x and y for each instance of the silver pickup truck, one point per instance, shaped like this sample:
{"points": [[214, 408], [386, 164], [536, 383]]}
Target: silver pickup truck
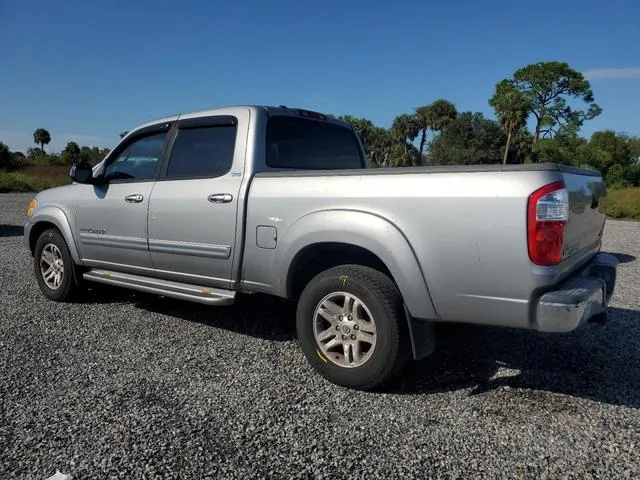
{"points": [[281, 201]]}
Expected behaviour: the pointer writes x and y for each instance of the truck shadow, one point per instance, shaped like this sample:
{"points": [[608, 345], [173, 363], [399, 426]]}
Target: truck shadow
{"points": [[596, 362], [624, 258], [259, 316], [11, 230]]}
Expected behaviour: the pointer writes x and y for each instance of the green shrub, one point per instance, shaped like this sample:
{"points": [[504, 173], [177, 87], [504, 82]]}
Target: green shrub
{"points": [[618, 177], [622, 203], [11, 182], [34, 179]]}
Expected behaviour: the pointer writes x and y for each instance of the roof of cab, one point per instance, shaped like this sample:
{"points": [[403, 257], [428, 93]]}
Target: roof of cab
{"points": [[271, 110]]}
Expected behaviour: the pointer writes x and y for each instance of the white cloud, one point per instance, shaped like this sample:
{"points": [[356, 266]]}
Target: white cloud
{"points": [[601, 73]]}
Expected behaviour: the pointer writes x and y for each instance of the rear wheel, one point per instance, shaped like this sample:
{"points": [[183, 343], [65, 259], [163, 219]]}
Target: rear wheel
{"points": [[352, 327], [53, 266]]}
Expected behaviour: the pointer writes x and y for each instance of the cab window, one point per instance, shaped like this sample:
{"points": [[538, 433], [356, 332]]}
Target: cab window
{"points": [[139, 160], [303, 144], [204, 151]]}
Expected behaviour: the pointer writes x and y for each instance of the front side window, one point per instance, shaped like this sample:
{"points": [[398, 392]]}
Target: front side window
{"points": [[139, 160], [304, 144], [205, 151]]}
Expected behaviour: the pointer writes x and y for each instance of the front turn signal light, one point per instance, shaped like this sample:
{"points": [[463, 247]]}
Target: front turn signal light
{"points": [[32, 206]]}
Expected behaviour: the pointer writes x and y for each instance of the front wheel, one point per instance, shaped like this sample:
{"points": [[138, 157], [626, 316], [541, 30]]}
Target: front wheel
{"points": [[352, 327], [54, 267]]}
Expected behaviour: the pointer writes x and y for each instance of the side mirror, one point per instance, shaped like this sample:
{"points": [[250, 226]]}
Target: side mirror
{"points": [[81, 173]]}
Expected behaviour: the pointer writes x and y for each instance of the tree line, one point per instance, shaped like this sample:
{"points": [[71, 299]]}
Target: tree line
{"points": [[550, 97], [72, 153]]}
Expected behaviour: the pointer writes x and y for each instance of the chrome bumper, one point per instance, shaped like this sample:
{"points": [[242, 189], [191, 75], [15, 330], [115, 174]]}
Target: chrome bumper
{"points": [[579, 298]]}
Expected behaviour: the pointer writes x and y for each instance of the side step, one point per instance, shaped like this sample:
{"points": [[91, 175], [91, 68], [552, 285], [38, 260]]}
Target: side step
{"points": [[168, 288]]}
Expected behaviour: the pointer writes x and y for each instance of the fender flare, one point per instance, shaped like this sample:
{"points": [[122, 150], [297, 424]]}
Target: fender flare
{"points": [[366, 230], [57, 217]]}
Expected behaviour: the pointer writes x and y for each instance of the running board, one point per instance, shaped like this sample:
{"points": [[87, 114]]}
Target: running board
{"points": [[168, 288]]}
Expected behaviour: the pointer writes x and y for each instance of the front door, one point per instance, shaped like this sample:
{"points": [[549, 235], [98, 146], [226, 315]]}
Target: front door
{"points": [[193, 206], [111, 218]]}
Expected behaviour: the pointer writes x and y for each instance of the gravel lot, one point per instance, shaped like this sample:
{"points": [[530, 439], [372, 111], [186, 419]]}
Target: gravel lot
{"points": [[134, 386]]}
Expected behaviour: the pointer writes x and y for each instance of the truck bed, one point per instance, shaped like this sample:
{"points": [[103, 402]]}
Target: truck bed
{"points": [[529, 167], [466, 226]]}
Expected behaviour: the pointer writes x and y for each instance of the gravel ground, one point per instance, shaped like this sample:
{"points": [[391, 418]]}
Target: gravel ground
{"points": [[133, 386]]}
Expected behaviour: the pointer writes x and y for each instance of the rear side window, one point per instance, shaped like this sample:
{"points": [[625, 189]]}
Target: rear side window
{"points": [[310, 145], [205, 151]]}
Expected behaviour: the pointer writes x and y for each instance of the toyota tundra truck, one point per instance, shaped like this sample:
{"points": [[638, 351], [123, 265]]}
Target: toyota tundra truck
{"points": [[282, 201]]}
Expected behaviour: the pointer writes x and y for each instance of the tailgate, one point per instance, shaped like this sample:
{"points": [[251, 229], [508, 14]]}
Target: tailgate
{"points": [[583, 232]]}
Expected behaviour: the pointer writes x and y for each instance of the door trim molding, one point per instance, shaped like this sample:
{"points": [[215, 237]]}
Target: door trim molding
{"points": [[222, 252], [116, 241]]}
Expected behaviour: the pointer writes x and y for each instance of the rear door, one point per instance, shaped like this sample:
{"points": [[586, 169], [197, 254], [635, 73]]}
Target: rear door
{"points": [[193, 207], [111, 218]]}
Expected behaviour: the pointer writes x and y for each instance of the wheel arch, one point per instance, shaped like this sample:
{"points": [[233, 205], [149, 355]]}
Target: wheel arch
{"points": [[317, 257], [53, 217], [352, 237]]}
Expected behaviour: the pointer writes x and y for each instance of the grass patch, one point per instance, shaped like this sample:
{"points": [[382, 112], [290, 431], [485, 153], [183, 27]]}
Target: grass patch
{"points": [[622, 203], [34, 178]]}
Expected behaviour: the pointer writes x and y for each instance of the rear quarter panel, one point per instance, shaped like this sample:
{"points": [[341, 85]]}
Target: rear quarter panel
{"points": [[466, 231]]}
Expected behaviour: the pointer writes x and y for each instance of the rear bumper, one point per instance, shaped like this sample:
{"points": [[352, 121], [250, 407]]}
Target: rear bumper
{"points": [[578, 299]]}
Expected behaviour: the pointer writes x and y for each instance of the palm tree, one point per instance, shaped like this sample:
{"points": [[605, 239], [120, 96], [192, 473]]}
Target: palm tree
{"points": [[435, 117], [512, 110], [375, 139], [41, 137], [71, 153], [404, 130]]}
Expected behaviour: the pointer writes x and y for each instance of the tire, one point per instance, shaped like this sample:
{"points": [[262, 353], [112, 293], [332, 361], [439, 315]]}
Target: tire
{"points": [[370, 362], [63, 286]]}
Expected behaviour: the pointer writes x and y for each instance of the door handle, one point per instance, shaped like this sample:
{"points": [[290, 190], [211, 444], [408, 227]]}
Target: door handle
{"points": [[136, 198], [220, 197]]}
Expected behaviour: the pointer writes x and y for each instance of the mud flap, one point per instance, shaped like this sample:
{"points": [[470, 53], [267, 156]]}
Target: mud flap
{"points": [[422, 334]]}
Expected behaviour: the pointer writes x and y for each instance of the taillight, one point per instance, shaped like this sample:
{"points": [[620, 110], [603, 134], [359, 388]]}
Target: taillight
{"points": [[548, 212]]}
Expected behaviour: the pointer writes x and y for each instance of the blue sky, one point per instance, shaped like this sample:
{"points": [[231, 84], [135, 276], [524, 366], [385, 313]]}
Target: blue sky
{"points": [[86, 70]]}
